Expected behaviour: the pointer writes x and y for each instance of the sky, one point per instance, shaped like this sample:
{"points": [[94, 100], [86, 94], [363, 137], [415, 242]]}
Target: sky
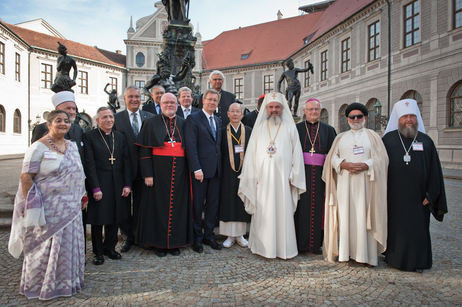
{"points": [[104, 23]]}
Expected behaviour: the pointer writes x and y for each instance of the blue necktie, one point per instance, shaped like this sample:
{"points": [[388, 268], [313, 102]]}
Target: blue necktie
{"points": [[186, 113], [214, 131]]}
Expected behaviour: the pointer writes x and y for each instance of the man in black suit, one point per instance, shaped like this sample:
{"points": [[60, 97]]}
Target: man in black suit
{"points": [[156, 94], [107, 167], [129, 122], [203, 150], [250, 118], [225, 98], [185, 98]]}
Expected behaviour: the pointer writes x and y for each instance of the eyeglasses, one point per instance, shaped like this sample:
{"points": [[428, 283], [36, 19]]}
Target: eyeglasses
{"points": [[352, 117]]}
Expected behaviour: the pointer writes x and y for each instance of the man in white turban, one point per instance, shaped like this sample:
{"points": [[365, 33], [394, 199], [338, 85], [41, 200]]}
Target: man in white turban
{"points": [[272, 179], [415, 189]]}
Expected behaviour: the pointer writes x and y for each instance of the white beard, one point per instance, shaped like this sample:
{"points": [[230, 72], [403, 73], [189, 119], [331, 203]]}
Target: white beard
{"points": [[357, 126], [274, 120]]}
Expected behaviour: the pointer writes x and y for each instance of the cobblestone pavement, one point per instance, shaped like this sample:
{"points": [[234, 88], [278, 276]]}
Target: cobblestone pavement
{"points": [[236, 277]]}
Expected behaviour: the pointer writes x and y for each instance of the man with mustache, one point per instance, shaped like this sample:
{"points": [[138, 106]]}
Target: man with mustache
{"points": [[415, 189], [355, 172]]}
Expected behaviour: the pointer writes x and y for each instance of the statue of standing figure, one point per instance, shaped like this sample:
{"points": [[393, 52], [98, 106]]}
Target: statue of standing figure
{"points": [[177, 10], [113, 99], [293, 89], [63, 81]]}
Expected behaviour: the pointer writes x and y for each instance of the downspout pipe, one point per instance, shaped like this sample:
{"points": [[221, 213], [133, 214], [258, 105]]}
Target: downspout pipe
{"points": [[389, 58]]}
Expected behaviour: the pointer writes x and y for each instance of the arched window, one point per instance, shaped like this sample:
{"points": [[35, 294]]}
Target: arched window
{"points": [[414, 95], [324, 116], [455, 106], [17, 121], [342, 120], [372, 121], [2, 118], [140, 59]]}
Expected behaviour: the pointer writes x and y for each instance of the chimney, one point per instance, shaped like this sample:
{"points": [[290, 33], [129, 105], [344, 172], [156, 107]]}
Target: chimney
{"points": [[279, 15], [118, 51]]}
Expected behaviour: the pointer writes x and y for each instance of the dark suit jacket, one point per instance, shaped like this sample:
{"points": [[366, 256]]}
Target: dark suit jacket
{"points": [[250, 119], [75, 134], [202, 150], [150, 107], [179, 111], [122, 124], [226, 100]]}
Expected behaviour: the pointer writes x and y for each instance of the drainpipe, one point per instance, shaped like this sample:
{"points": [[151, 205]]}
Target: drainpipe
{"points": [[28, 99], [389, 58]]}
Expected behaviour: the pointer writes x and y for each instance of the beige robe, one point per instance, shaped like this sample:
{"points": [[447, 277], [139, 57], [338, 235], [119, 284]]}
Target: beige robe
{"points": [[270, 188], [356, 205]]}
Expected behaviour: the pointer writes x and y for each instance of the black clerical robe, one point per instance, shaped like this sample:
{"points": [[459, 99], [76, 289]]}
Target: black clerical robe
{"points": [[250, 118], [231, 205], [165, 218], [409, 243], [109, 177], [309, 216]]}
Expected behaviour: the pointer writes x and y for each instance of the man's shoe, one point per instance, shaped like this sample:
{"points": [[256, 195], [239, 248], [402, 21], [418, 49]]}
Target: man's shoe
{"points": [[212, 243], [126, 247], [113, 255], [161, 252], [98, 260], [175, 251], [197, 247]]}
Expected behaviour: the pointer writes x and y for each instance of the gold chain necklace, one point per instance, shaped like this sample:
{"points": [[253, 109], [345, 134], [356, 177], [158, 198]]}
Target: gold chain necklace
{"points": [[314, 142], [112, 159], [271, 149]]}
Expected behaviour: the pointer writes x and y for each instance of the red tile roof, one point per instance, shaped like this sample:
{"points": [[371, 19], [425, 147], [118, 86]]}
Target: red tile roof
{"points": [[276, 40], [267, 42], [41, 40]]}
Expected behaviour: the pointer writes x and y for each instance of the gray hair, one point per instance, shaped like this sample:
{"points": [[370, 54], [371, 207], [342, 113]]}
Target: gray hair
{"points": [[216, 72], [157, 86], [102, 109], [184, 89], [131, 87]]}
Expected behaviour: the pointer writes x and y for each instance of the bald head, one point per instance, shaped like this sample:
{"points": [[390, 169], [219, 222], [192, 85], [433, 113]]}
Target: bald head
{"points": [[235, 113], [168, 104]]}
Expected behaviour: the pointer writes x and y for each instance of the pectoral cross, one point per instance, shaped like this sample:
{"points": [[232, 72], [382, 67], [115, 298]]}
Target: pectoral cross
{"points": [[312, 151], [171, 142], [112, 159]]}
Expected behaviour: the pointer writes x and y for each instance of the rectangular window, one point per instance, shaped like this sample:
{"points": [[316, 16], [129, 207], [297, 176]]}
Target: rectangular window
{"points": [[112, 83], [2, 58], [17, 68], [239, 88], [83, 82], [140, 85], [457, 13], [324, 65], [46, 76], [411, 23], [346, 66], [268, 83], [307, 74], [374, 41]]}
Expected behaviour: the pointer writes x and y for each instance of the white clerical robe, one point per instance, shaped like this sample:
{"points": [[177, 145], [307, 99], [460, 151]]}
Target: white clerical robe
{"points": [[270, 188]]}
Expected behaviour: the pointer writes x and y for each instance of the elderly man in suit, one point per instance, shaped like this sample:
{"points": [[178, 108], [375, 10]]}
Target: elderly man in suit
{"points": [[156, 94], [129, 122], [185, 98], [203, 150]]}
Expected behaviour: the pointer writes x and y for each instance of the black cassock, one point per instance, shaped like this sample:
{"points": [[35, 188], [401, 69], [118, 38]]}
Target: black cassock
{"points": [[309, 216], [165, 218], [408, 243], [110, 178], [231, 205]]}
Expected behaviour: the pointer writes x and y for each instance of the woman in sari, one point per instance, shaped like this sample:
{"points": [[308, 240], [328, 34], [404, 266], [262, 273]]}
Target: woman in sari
{"points": [[47, 218]]}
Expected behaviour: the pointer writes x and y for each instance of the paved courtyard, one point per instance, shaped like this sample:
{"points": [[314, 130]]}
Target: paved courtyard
{"points": [[237, 277]]}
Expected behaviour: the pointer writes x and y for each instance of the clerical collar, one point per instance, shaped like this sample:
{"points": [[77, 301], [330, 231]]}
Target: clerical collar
{"points": [[106, 133], [312, 123], [169, 117]]}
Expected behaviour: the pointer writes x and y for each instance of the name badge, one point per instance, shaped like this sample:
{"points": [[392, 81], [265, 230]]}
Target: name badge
{"points": [[51, 155], [417, 146], [358, 150], [238, 148]]}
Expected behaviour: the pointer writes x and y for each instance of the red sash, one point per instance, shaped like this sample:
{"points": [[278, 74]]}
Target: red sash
{"points": [[168, 150]]}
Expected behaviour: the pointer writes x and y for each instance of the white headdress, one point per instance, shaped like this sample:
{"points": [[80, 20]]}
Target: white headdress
{"points": [[271, 97], [404, 107], [63, 96]]}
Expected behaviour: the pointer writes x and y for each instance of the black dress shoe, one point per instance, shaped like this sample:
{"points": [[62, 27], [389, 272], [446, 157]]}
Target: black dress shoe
{"points": [[126, 247], [197, 247], [98, 260], [161, 252], [113, 255], [175, 251], [212, 243]]}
